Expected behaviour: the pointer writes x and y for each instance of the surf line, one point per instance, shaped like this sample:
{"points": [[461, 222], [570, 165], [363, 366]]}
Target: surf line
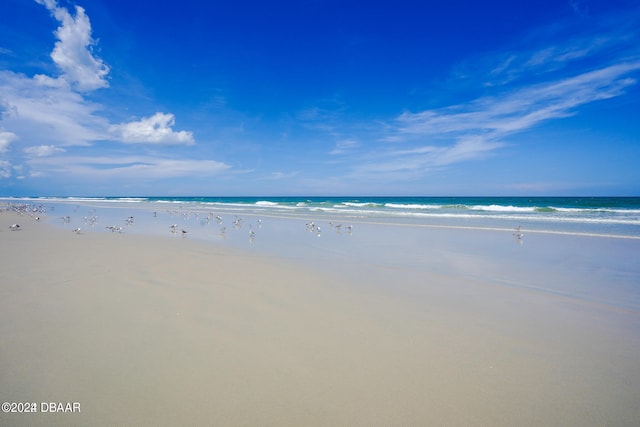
{"points": [[528, 230]]}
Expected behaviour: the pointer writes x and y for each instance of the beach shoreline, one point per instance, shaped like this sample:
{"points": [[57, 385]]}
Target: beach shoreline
{"points": [[145, 329]]}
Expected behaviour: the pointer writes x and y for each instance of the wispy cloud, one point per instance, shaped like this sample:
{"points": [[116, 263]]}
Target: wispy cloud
{"points": [[156, 129], [120, 168], [474, 130], [281, 175], [43, 150], [579, 7], [5, 140], [544, 52], [46, 109], [5, 169], [344, 146], [413, 162], [522, 108]]}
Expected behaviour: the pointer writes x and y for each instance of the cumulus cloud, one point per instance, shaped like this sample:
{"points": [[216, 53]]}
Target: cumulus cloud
{"points": [[6, 138], [43, 150], [53, 109], [156, 129], [56, 112], [73, 51]]}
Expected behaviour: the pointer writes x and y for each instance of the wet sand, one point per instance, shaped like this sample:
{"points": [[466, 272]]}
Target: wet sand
{"points": [[152, 330]]}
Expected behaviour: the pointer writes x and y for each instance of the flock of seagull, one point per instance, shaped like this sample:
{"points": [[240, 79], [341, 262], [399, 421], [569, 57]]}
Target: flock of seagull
{"points": [[237, 223], [90, 220], [313, 228], [33, 211]]}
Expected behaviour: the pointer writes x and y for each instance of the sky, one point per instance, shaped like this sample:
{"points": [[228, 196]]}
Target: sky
{"points": [[319, 97]]}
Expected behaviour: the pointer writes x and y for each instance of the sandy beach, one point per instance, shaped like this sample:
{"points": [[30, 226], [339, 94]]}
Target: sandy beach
{"points": [[143, 329]]}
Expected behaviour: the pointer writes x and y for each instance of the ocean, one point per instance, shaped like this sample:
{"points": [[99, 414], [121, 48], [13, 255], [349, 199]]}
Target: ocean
{"points": [[607, 216]]}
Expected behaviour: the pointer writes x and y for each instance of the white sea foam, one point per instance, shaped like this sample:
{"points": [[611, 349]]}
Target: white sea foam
{"points": [[500, 208], [412, 206], [602, 210], [358, 204]]}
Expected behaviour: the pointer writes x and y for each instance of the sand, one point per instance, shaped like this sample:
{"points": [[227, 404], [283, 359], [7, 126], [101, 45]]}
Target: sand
{"points": [[153, 330]]}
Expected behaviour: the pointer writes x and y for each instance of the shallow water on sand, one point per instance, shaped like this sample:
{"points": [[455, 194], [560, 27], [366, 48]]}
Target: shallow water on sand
{"points": [[595, 269]]}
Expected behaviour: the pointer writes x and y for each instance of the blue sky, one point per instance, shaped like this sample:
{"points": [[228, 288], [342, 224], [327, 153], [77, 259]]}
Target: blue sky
{"points": [[319, 97]]}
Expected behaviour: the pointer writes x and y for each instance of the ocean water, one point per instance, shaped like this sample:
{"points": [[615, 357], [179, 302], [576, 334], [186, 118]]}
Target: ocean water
{"points": [[609, 216]]}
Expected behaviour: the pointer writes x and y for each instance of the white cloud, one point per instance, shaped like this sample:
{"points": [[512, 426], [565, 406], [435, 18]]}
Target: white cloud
{"points": [[281, 175], [118, 168], [43, 150], [560, 47], [6, 138], [344, 146], [405, 163], [73, 50], [156, 129], [47, 110], [520, 109], [56, 113], [5, 169], [475, 130]]}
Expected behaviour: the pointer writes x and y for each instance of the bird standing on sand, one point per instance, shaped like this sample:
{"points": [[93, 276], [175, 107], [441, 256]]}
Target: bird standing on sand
{"points": [[518, 234], [14, 227]]}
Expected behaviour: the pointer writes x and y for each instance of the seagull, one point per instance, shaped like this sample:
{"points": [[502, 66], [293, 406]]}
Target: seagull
{"points": [[518, 234], [14, 227], [77, 230]]}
